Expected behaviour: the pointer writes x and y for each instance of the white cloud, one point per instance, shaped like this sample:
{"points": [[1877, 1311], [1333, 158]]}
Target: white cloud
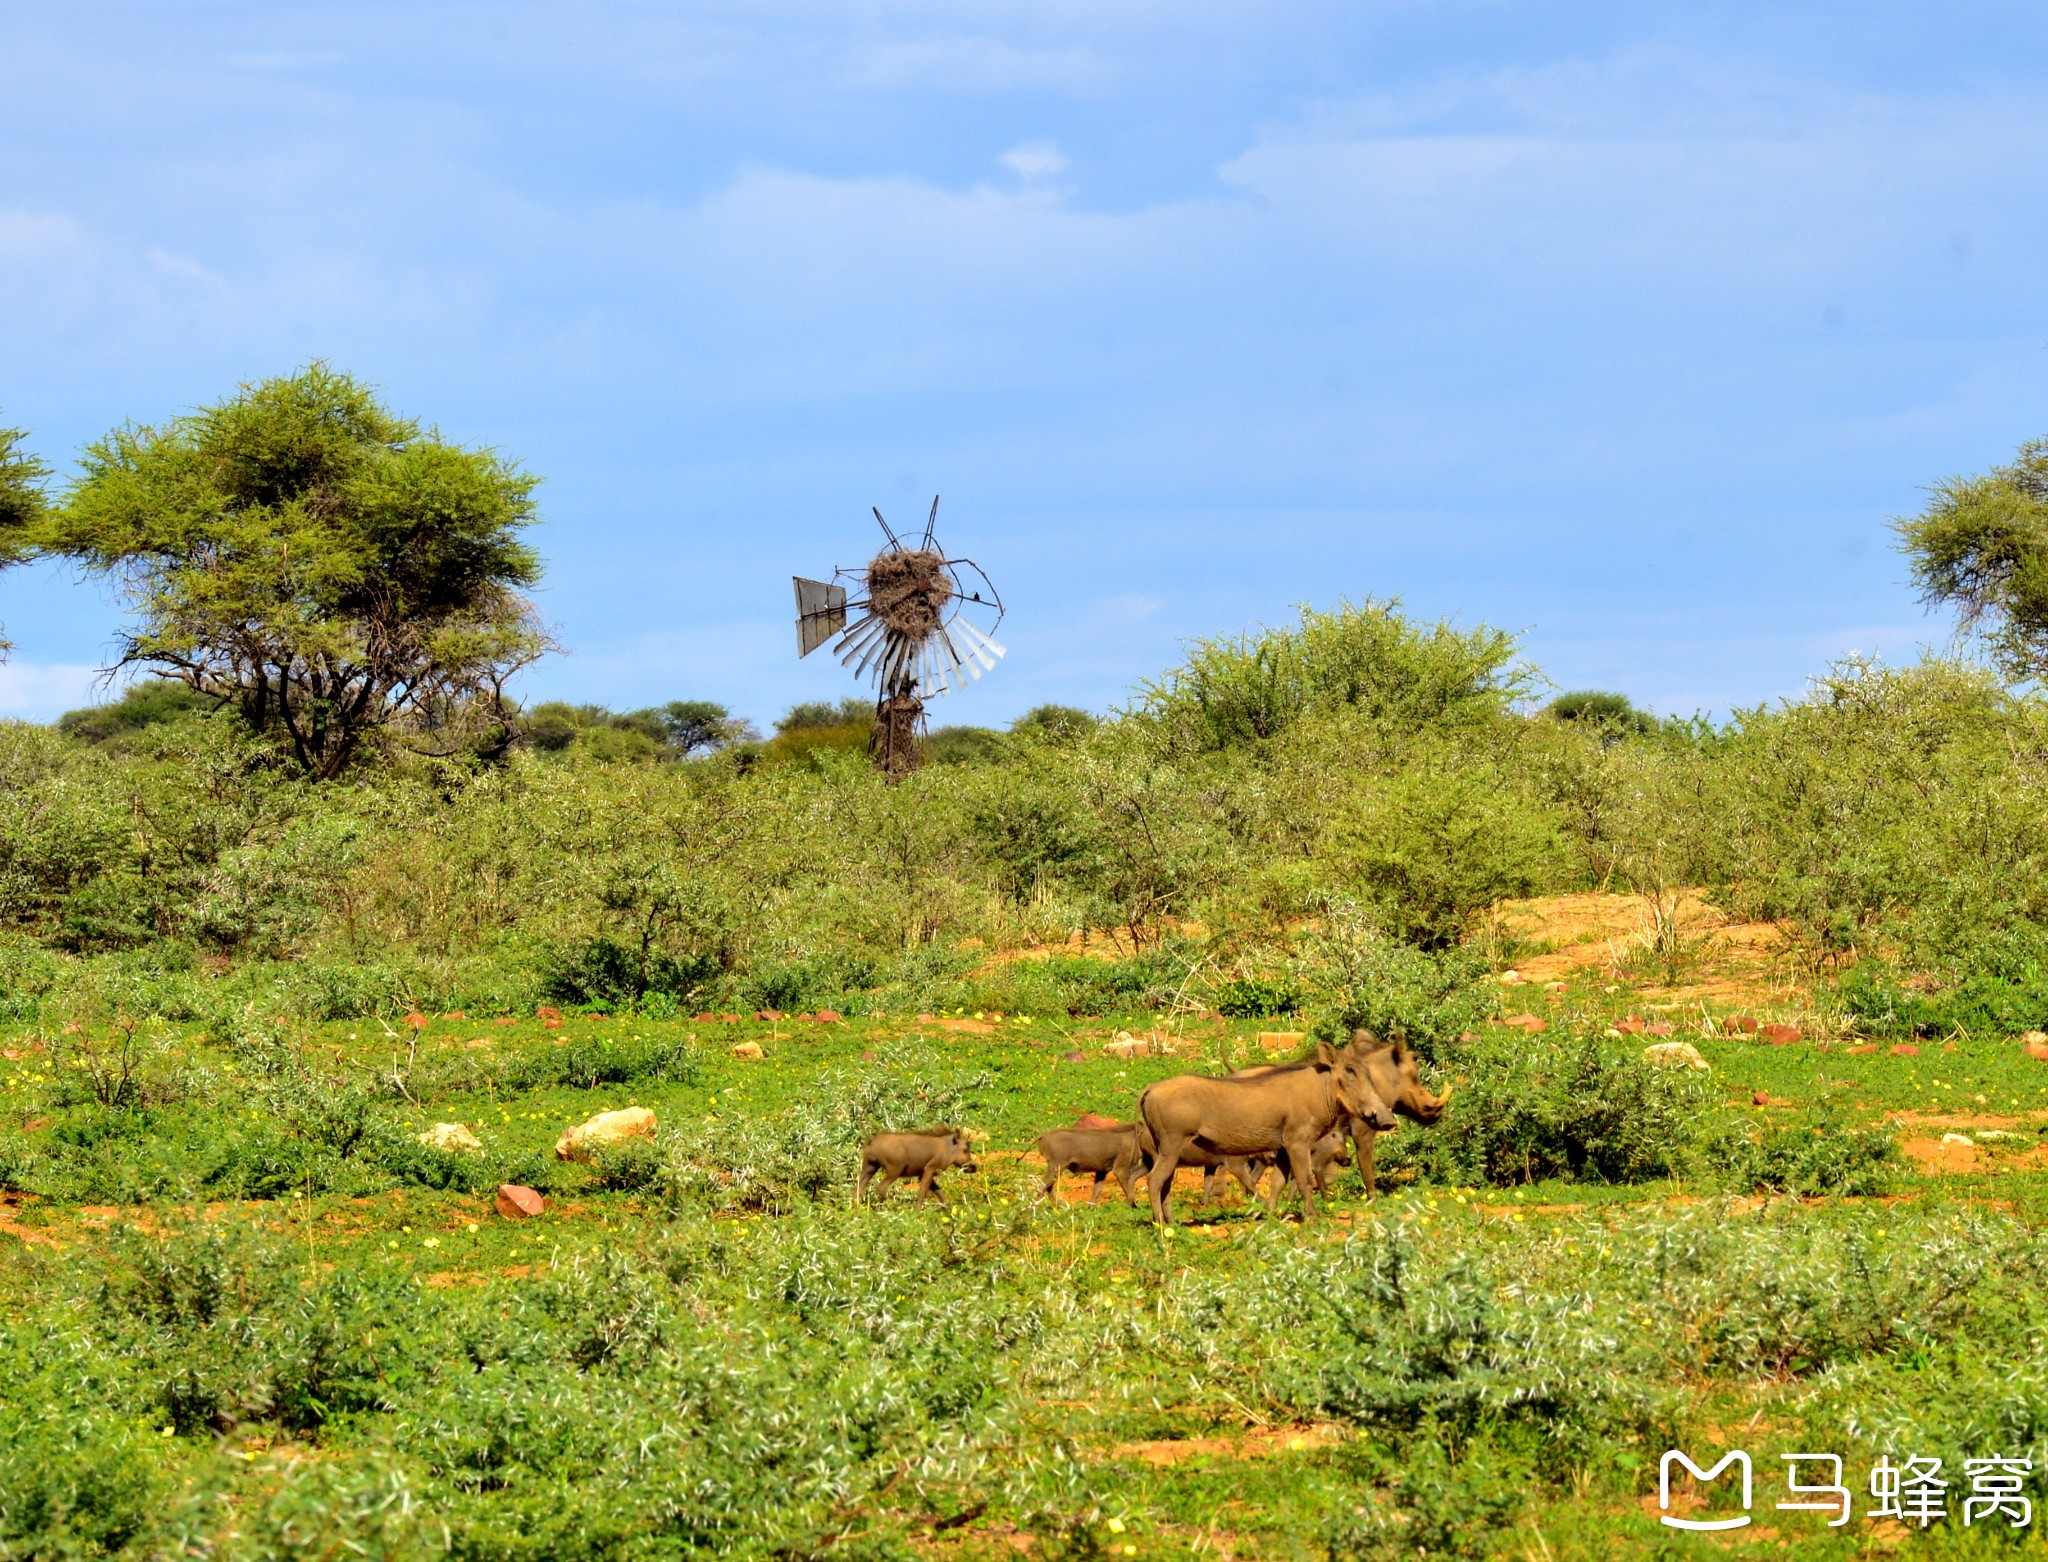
{"points": [[972, 64], [1035, 159], [281, 61], [32, 692]]}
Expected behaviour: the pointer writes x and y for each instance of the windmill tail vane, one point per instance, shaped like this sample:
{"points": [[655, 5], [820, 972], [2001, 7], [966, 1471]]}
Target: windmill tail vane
{"points": [[906, 625]]}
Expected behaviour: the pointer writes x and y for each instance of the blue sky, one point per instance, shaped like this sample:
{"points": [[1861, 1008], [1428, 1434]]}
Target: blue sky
{"points": [[1623, 325]]}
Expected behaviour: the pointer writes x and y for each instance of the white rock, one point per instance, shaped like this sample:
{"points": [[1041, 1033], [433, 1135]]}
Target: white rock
{"points": [[453, 1137], [1674, 1054], [1957, 1139], [633, 1122]]}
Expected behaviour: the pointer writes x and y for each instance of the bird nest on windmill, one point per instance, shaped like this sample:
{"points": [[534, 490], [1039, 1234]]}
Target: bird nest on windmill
{"points": [[908, 626]]}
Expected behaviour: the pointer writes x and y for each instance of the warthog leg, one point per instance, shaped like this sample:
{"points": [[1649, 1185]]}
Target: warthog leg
{"points": [[1127, 1175], [1301, 1158], [1164, 1164]]}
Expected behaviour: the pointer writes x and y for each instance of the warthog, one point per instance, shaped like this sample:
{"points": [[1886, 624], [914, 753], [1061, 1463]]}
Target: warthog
{"points": [[1274, 1112], [1396, 1080], [1105, 1152], [921, 1155], [1332, 1150]]}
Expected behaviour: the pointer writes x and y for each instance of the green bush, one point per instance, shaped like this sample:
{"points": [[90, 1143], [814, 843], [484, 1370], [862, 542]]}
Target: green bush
{"points": [[1533, 1108], [1236, 691], [1828, 1156], [1355, 976], [584, 1062], [777, 1162], [605, 974], [1254, 997]]}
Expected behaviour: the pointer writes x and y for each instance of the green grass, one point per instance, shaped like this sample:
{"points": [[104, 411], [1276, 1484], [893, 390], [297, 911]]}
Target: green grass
{"points": [[373, 1365]]}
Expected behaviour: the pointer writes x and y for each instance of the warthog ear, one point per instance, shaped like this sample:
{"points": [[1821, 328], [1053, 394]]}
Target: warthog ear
{"points": [[1325, 1053]]}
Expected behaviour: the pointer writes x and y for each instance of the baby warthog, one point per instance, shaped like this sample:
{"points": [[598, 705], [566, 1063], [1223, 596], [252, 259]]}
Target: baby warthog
{"points": [[1104, 1152], [922, 1155]]}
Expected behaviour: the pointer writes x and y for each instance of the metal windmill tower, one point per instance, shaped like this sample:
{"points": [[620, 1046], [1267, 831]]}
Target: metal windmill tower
{"points": [[911, 633]]}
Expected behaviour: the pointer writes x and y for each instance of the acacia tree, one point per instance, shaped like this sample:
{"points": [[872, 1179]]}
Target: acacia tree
{"points": [[1981, 547], [329, 569], [21, 500]]}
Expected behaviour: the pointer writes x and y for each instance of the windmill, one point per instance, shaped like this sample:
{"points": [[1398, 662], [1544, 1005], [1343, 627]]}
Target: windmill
{"points": [[911, 634]]}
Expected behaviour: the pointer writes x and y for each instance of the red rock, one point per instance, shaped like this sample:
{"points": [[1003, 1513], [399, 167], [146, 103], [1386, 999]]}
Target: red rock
{"points": [[1467, 1037], [1746, 1023], [2038, 1050], [1094, 1120], [767, 1014], [1905, 1049], [868, 1056], [705, 1019], [806, 1019], [416, 1020], [1862, 1047], [550, 1024], [1760, 1099], [455, 1014], [1632, 1026], [728, 1019], [1657, 1030], [926, 1019], [1073, 1057], [547, 1012], [828, 1017], [1526, 1022], [1781, 1035], [517, 1203], [506, 1020]]}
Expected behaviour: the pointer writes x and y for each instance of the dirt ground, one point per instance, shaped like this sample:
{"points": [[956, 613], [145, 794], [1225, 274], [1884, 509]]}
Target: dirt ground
{"points": [[1720, 961]]}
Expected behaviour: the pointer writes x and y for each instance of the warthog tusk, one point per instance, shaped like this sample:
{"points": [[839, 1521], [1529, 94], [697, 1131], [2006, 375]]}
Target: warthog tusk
{"points": [[1444, 1100]]}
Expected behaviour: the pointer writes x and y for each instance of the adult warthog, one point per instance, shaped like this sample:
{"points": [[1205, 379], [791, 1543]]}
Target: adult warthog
{"points": [[1396, 1077], [1278, 1113]]}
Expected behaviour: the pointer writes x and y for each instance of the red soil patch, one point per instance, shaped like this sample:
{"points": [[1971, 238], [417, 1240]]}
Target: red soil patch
{"points": [[14, 1228], [1260, 1443], [1934, 1155]]}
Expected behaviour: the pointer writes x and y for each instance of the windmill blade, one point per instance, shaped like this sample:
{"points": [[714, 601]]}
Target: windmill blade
{"points": [[894, 661], [869, 651], [982, 646], [885, 527], [960, 664], [878, 660], [858, 638], [931, 520]]}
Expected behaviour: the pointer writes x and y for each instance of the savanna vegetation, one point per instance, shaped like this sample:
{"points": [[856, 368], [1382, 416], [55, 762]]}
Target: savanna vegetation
{"points": [[319, 882]]}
